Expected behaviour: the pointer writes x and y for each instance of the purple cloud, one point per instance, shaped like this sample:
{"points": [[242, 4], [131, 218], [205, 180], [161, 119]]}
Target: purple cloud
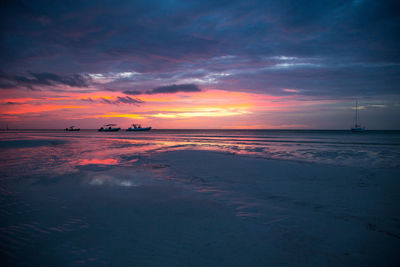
{"points": [[168, 89]]}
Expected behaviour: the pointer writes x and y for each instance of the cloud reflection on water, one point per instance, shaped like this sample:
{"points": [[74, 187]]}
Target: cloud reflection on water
{"points": [[104, 179], [86, 148], [98, 161]]}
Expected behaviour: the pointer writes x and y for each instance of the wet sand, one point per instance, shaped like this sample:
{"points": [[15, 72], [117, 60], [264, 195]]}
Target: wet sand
{"points": [[203, 208]]}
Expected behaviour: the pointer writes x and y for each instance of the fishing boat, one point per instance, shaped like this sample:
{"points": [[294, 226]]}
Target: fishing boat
{"points": [[109, 128], [138, 128], [357, 127], [72, 129]]}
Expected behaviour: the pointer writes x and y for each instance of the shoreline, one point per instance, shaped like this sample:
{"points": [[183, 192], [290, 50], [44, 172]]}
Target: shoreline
{"points": [[201, 207]]}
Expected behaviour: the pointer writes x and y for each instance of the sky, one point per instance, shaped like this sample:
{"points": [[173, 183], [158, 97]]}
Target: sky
{"points": [[199, 64]]}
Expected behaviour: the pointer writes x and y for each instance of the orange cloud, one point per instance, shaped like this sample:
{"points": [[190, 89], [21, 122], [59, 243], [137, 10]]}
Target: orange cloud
{"points": [[25, 109], [116, 115], [209, 108]]}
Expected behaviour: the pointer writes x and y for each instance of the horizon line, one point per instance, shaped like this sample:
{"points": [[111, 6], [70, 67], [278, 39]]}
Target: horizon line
{"points": [[211, 129]]}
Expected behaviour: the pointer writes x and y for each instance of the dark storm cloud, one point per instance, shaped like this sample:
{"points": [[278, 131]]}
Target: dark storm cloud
{"points": [[128, 100], [329, 47], [133, 92], [45, 78], [168, 89], [32, 80], [175, 89], [119, 100]]}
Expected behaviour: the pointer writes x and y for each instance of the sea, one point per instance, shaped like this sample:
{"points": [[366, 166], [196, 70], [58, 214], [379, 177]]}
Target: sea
{"points": [[59, 149], [52, 213]]}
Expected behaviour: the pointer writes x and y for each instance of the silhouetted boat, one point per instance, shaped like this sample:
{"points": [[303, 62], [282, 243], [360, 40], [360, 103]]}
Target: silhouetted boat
{"points": [[72, 129], [357, 127], [109, 128], [138, 128]]}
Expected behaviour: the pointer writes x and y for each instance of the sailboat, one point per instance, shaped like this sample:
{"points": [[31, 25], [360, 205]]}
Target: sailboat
{"points": [[357, 127]]}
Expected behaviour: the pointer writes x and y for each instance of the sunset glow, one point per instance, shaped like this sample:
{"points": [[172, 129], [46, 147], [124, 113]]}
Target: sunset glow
{"points": [[195, 71], [159, 110]]}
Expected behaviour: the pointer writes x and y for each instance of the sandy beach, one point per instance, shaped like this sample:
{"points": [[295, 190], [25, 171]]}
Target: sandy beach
{"points": [[194, 207]]}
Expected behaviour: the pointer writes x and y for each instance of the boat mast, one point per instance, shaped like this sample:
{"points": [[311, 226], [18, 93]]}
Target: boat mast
{"points": [[356, 112]]}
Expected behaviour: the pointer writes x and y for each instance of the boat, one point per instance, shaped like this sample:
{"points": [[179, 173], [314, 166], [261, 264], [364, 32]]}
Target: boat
{"points": [[357, 127], [72, 129], [138, 128], [109, 128]]}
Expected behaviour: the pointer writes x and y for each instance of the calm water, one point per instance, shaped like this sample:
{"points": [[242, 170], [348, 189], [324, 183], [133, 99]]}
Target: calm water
{"points": [[58, 149], [51, 208]]}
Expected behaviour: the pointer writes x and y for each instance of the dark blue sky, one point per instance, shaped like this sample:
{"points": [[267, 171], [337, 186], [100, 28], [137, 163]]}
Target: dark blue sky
{"points": [[315, 49]]}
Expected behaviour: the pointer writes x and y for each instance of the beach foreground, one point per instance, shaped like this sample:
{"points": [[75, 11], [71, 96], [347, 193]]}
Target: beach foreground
{"points": [[191, 207]]}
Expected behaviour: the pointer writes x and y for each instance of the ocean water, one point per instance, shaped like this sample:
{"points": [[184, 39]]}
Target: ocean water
{"points": [[60, 149], [93, 198]]}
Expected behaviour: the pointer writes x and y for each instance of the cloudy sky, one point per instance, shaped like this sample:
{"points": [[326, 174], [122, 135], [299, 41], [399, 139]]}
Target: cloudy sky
{"points": [[200, 64]]}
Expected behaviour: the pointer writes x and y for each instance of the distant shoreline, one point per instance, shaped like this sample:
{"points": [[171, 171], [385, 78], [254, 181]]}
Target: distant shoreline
{"points": [[161, 129]]}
